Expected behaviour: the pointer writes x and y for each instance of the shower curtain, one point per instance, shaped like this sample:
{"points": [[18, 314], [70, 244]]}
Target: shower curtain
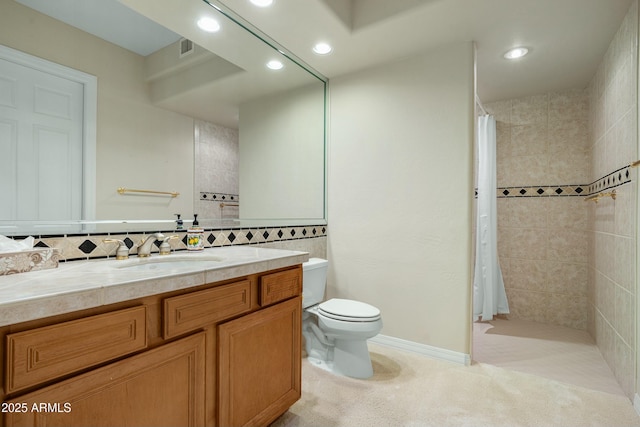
{"points": [[489, 296]]}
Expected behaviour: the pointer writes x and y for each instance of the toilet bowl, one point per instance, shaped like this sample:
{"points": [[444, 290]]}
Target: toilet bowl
{"points": [[336, 331]]}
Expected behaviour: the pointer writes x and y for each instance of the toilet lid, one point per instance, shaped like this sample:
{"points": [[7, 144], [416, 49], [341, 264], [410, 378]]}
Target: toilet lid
{"points": [[345, 309]]}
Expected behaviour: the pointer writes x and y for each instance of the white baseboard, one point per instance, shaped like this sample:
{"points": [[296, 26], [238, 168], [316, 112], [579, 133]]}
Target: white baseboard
{"points": [[424, 349], [636, 403]]}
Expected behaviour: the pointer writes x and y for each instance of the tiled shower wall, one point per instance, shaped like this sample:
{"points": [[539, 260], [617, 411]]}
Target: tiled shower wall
{"points": [[612, 223], [542, 168], [565, 260], [216, 165]]}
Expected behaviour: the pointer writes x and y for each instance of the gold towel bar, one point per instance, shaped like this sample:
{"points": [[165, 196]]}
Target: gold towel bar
{"points": [[599, 196], [123, 190], [222, 205], [635, 164]]}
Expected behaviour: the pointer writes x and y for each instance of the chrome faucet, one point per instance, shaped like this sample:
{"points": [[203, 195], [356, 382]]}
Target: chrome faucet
{"points": [[144, 248]]}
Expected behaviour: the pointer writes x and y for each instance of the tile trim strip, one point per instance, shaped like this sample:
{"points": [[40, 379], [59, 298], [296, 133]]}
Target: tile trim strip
{"points": [[209, 196], [541, 191], [612, 180]]}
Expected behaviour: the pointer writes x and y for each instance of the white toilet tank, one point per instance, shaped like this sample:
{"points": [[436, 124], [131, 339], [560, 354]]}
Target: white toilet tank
{"points": [[314, 281]]}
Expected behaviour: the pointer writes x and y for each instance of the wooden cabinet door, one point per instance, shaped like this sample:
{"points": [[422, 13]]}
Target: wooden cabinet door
{"points": [[161, 387], [259, 366]]}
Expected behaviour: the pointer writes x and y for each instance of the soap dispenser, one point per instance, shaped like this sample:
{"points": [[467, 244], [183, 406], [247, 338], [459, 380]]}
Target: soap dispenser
{"points": [[195, 236]]}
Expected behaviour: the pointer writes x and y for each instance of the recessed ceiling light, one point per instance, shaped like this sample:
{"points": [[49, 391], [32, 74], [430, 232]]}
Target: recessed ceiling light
{"points": [[262, 3], [209, 25], [322, 48], [275, 64], [516, 53]]}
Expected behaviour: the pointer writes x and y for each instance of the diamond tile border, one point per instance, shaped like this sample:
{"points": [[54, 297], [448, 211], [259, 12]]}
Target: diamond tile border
{"points": [[208, 196], [614, 179], [541, 191], [75, 247]]}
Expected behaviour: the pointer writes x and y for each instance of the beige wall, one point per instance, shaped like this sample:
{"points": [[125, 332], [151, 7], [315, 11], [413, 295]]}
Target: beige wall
{"points": [[543, 150], [613, 224], [138, 145], [400, 194]]}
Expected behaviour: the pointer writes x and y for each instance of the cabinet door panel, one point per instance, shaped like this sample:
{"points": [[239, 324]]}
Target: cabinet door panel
{"points": [[162, 387], [259, 367]]}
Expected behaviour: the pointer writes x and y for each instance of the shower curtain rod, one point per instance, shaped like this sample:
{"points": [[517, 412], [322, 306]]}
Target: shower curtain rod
{"points": [[479, 104]]}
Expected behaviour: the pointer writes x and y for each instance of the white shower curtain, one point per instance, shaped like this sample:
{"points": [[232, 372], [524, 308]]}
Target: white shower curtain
{"points": [[489, 296]]}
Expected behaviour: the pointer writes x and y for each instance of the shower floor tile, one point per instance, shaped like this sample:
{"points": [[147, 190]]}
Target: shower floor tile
{"points": [[554, 352]]}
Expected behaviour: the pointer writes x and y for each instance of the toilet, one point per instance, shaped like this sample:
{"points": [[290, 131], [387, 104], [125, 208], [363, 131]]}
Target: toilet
{"points": [[336, 331]]}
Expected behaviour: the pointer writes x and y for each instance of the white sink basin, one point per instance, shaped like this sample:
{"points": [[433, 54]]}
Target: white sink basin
{"points": [[168, 262]]}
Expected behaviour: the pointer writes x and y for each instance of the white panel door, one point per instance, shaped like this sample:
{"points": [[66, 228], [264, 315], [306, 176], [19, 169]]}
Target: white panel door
{"points": [[41, 140]]}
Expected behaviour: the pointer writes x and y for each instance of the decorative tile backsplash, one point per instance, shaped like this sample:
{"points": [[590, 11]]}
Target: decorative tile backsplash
{"points": [[88, 246]]}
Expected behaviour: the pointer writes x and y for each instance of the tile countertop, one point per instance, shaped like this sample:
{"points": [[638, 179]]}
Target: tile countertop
{"points": [[80, 285]]}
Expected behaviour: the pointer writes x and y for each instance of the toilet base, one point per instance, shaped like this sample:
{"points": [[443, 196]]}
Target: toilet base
{"points": [[322, 364], [348, 358], [351, 358], [337, 346]]}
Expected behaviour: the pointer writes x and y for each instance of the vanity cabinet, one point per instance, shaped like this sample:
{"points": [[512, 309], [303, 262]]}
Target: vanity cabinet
{"points": [[221, 354]]}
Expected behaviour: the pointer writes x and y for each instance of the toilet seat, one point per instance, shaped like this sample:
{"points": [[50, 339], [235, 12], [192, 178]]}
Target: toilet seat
{"points": [[348, 310]]}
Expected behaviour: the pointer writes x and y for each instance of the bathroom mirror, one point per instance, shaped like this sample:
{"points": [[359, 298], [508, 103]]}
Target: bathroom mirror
{"points": [[160, 111]]}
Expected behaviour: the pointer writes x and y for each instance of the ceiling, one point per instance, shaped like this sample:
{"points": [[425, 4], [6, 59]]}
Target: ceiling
{"points": [[135, 32], [566, 38]]}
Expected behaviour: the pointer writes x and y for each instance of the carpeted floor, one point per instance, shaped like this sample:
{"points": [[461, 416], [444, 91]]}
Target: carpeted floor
{"points": [[409, 389]]}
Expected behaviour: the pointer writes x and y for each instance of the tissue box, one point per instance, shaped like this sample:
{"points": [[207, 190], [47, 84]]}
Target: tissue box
{"points": [[31, 260]]}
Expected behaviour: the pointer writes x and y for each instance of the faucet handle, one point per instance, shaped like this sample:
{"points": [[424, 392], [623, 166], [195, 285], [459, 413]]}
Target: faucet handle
{"points": [[165, 247], [122, 252]]}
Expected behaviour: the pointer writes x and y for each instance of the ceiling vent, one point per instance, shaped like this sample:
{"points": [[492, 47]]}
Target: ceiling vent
{"points": [[186, 47]]}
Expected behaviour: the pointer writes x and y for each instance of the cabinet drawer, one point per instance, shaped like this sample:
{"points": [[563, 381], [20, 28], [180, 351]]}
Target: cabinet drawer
{"points": [[189, 312], [280, 286], [51, 352]]}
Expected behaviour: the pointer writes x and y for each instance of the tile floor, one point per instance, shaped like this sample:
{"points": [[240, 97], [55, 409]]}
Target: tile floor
{"points": [[554, 352]]}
